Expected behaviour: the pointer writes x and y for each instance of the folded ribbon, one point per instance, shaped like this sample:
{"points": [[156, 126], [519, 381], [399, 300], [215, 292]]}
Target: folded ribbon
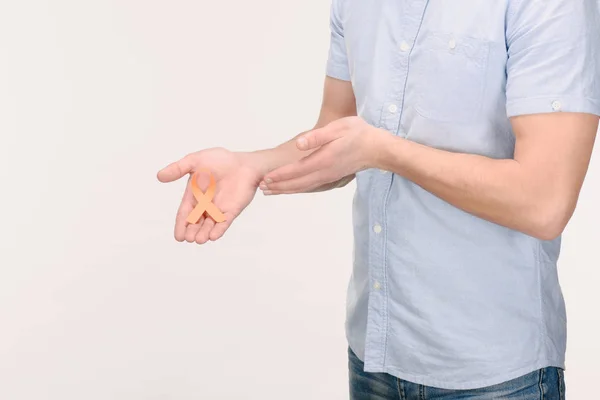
{"points": [[205, 204]]}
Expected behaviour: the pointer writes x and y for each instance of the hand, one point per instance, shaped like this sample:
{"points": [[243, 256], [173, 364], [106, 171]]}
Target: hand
{"points": [[334, 185], [237, 176], [344, 147]]}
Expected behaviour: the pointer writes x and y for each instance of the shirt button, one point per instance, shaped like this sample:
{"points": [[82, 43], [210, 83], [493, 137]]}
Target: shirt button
{"points": [[404, 46], [452, 44], [377, 228], [393, 108], [556, 105], [376, 285]]}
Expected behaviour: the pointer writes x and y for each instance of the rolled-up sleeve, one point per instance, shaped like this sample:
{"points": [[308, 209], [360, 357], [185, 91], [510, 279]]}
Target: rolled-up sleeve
{"points": [[553, 56], [337, 62]]}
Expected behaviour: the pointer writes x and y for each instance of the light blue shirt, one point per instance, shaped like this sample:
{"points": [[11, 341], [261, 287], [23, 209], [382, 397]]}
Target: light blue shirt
{"points": [[438, 296]]}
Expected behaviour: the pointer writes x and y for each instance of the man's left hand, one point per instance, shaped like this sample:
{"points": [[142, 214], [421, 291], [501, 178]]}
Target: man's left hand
{"points": [[340, 149]]}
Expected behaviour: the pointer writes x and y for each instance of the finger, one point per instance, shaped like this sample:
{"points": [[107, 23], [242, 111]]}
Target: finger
{"points": [[185, 208], [176, 170], [193, 229], [219, 229], [319, 137], [302, 184], [204, 232], [316, 161]]}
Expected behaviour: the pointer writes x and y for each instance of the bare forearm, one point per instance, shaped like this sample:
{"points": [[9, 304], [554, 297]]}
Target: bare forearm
{"points": [[500, 191], [288, 152], [534, 192]]}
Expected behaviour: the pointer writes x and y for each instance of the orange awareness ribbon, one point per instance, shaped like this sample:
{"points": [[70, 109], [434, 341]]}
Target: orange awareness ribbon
{"points": [[205, 204]]}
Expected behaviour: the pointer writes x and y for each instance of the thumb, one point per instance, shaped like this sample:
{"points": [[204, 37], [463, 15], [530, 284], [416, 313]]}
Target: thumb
{"points": [[317, 137], [176, 170]]}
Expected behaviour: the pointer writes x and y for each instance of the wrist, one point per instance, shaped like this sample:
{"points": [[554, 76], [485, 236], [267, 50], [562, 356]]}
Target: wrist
{"points": [[379, 142], [264, 161]]}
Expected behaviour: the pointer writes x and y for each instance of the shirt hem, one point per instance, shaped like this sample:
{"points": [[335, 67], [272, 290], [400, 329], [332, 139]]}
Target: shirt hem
{"points": [[552, 104], [452, 385], [338, 72]]}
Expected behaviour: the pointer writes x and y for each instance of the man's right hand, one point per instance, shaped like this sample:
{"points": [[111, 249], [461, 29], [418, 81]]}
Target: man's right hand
{"points": [[237, 176]]}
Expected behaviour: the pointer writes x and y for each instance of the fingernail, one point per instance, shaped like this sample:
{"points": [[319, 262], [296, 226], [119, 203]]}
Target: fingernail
{"points": [[262, 186], [302, 143], [267, 192], [268, 181]]}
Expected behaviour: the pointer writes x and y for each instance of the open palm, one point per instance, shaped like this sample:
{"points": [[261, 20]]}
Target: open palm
{"points": [[237, 179]]}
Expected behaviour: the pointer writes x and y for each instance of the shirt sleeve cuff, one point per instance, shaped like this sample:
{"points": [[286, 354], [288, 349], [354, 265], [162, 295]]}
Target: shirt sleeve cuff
{"points": [[338, 71], [541, 105]]}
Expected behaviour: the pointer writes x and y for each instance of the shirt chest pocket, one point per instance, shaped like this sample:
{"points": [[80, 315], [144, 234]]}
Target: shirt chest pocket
{"points": [[451, 77]]}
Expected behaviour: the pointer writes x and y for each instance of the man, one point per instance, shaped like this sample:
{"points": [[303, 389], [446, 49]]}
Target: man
{"points": [[469, 127]]}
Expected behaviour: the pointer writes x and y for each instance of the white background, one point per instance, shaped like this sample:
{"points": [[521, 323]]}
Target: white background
{"points": [[97, 301]]}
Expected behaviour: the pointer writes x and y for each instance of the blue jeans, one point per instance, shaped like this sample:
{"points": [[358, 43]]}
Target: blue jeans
{"points": [[544, 384]]}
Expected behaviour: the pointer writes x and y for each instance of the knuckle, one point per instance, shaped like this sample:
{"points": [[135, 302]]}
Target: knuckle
{"points": [[189, 157]]}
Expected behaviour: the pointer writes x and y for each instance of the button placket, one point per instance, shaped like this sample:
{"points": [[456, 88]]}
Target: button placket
{"points": [[394, 97], [377, 314]]}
